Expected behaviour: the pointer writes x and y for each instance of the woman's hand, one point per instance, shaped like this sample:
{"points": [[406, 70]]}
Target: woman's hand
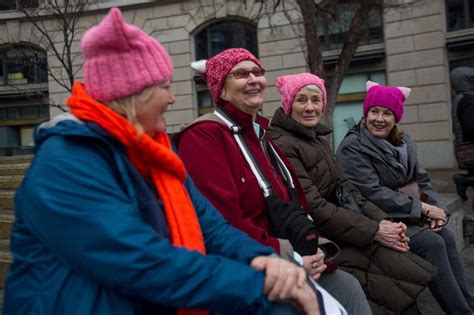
{"points": [[437, 225], [314, 264], [286, 282], [304, 299], [392, 235], [280, 277], [433, 212]]}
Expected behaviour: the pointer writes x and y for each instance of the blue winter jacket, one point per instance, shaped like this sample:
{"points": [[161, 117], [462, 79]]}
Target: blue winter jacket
{"points": [[90, 238]]}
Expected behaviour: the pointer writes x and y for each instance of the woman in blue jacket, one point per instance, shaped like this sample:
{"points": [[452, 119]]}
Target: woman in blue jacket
{"points": [[107, 222]]}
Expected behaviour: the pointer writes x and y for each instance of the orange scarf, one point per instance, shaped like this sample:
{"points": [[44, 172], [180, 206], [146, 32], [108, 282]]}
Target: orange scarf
{"points": [[154, 159]]}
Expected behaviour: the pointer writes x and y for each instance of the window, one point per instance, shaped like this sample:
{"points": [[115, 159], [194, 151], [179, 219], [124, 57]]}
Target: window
{"points": [[24, 112], [461, 63], [17, 4], [460, 14], [16, 124], [216, 38], [348, 109], [23, 65], [332, 31], [9, 136]]}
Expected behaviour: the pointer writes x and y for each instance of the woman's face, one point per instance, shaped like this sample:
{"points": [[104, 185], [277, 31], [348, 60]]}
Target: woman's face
{"points": [[380, 121], [246, 93], [307, 108], [151, 114]]}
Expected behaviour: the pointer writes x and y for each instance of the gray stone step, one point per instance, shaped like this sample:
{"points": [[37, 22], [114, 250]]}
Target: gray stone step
{"points": [[6, 259], [10, 182], [455, 207], [6, 221], [6, 200], [18, 159], [13, 169]]}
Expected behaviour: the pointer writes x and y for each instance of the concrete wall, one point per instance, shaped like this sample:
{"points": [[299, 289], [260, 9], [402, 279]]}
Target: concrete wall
{"points": [[414, 46], [416, 57]]}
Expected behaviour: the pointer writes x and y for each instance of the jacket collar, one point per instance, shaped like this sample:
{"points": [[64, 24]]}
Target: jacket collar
{"points": [[368, 145], [280, 119], [242, 118]]}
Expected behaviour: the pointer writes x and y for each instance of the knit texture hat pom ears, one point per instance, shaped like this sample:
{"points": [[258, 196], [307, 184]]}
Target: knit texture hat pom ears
{"points": [[121, 60], [215, 70], [390, 97], [200, 67], [290, 85]]}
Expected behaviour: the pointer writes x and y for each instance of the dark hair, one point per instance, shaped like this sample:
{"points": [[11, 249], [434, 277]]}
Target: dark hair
{"points": [[395, 135]]}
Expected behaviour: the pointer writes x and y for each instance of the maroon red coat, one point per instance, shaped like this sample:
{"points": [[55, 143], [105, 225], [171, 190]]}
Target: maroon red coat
{"points": [[220, 171]]}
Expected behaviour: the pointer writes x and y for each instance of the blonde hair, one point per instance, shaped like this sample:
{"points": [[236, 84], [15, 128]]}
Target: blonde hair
{"points": [[130, 106]]}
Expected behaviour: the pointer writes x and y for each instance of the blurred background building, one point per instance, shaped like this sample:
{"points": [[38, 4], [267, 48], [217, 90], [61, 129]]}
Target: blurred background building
{"points": [[414, 45]]}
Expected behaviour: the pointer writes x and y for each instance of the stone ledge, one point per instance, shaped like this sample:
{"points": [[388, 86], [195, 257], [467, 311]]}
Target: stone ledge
{"points": [[456, 207]]}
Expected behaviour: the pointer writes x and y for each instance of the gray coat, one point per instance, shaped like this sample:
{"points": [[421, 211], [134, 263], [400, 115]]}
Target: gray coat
{"points": [[376, 173]]}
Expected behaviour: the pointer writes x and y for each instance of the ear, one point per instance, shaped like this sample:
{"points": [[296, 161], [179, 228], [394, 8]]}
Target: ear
{"points": [[223, 94], [405, 91], [199, 66], [370, 84]]}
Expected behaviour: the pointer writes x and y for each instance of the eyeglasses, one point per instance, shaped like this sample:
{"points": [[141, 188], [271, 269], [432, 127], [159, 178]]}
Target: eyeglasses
{"points": [[244, 74]]}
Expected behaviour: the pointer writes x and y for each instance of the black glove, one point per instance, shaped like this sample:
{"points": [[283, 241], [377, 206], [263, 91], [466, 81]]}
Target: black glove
{"points": [[289, 221]]}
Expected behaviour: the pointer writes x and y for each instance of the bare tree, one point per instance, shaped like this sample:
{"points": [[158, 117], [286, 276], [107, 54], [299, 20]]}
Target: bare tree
{"points": [[309, 13], [56, 24]]}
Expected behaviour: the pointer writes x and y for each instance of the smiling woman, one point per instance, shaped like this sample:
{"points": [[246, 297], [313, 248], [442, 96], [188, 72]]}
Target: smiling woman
{"points": [[245, 86], [380, 121], [242, 172], [380, 161]]}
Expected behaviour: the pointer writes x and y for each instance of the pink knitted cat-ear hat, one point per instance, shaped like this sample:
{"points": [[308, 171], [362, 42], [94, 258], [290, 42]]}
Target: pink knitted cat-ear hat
{"points": [[121, 60], [390, 97], [289, 86]]}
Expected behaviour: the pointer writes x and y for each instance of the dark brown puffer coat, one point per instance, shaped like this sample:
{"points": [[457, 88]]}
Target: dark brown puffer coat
{"points": [[391, 280]]}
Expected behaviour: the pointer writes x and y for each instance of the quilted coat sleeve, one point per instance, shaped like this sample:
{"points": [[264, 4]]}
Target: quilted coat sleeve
{"points": [[338, 224], [203, 151], [360, 170], [73, 203]]}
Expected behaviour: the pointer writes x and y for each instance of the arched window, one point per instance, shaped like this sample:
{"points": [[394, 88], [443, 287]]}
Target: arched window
{"points": [[216, 38]]}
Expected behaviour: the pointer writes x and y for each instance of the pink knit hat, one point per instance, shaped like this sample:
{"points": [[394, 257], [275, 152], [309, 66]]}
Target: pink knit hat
{"points": [[390, 97], [121, 60], [289, 85], [215, 70]]}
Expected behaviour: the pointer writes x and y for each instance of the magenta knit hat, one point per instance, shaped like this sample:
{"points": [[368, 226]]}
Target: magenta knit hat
{"points": [[215, 70], [390, 97], [121, 60], [289, 85]]}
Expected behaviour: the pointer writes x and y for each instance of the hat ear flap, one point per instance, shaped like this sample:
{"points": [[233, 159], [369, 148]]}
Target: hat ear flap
{"points": [[199, 66], [369, 84], [405, 91], [280, 83]]}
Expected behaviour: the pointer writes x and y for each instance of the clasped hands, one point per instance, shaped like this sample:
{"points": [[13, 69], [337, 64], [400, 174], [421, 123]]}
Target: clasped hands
{"points": [[285, 282], [437, 217], [392, 235]]}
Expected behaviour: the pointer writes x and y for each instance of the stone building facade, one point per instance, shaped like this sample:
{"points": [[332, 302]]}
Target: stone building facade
{"points": [[414, 46]]}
